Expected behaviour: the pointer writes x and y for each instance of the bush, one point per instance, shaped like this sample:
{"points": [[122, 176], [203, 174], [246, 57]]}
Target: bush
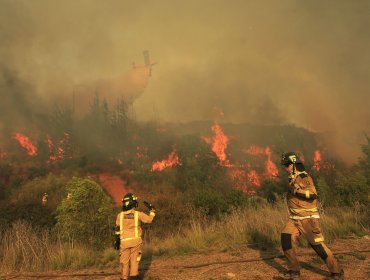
{"points": [[86, 217], [32, 191], [351, 188], [33, 213], [271, 190], [210, 201]]}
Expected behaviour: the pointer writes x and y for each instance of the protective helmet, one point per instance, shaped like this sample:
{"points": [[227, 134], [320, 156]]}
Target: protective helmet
{"points": [[290, 158], [129, 201]]}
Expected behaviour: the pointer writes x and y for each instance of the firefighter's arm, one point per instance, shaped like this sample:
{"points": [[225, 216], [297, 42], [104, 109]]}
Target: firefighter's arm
{"points": [[146, 219], [118, 220], [117, 234], [305, 194], [304, 190]]}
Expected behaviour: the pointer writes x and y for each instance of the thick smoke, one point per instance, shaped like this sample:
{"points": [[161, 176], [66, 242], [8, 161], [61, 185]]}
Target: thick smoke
{"points": [[265, 62], [20, 109]]}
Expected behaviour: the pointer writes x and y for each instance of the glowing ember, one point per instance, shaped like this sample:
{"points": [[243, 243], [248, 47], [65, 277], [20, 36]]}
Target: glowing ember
{"points": [[57, 152], [238, 177], [220, 141], [25, 143], [317, 160], [172, 160]]}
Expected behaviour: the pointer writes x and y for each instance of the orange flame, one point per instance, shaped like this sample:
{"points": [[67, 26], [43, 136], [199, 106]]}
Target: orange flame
{"points": [[270, 168], [317, 160], [220, 141], [253, 178], [25, 143], [243, 178], [172, 160]]}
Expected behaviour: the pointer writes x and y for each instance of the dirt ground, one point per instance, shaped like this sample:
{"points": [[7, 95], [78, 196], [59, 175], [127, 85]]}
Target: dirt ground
{"points": [[238, 264]]}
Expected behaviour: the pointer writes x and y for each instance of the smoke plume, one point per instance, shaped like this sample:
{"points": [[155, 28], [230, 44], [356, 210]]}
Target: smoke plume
{"points": [[265, 62]]}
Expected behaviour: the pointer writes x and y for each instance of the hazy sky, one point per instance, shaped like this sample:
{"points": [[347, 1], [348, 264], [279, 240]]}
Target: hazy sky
{"points": [[302, 62]]}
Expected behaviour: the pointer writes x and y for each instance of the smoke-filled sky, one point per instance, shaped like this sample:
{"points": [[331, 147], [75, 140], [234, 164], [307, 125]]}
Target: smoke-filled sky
{"points": [[266, 62]]}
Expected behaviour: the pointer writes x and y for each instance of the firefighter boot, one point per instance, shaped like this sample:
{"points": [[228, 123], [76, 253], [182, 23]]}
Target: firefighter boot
{"points": [[336, 276], [293, 275]]}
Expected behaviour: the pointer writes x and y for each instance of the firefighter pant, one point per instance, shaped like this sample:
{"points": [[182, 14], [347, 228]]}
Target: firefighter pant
{"points": [[310, 229], [130, 255]]}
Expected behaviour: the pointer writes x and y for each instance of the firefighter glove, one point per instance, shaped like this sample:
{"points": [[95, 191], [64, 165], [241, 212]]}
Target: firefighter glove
{"points": [[117, 242], [149, 206]]}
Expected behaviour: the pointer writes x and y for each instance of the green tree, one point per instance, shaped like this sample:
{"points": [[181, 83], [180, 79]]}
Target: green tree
{"points": [[87, 216]]}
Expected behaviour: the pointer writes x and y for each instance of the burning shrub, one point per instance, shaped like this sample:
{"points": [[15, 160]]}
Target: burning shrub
{"points": [[86, 216], [199, 166]]}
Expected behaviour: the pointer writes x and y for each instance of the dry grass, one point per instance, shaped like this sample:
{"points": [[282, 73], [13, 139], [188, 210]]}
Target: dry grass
{"points": [[259, 227], [24, 248]]}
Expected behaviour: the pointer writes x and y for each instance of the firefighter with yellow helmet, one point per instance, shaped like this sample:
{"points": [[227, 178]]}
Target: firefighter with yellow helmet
{"points": [[129, 234], [304, 219], [44, 199]]}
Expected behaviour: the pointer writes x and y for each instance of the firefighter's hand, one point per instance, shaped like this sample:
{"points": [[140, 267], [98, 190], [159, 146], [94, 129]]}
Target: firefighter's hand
{"points": [[149, 206], [117, 242]]}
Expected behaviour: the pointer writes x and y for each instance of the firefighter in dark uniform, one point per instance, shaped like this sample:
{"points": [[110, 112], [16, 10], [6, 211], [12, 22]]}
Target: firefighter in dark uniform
{"points": [[304, 219], [129, 235]]}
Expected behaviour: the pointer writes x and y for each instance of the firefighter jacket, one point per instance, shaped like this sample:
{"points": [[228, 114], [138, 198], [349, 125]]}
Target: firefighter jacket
{"points": [[129, 223], [302, 197]]}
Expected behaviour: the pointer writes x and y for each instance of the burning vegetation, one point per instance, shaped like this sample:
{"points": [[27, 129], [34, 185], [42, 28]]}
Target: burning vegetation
{"points": [[108, 137], [211, 162], [25, 143], [213, 170], [172, 160]]}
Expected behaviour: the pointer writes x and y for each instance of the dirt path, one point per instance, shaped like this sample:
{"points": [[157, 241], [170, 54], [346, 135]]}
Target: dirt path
{"points": [[239, 265]]}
